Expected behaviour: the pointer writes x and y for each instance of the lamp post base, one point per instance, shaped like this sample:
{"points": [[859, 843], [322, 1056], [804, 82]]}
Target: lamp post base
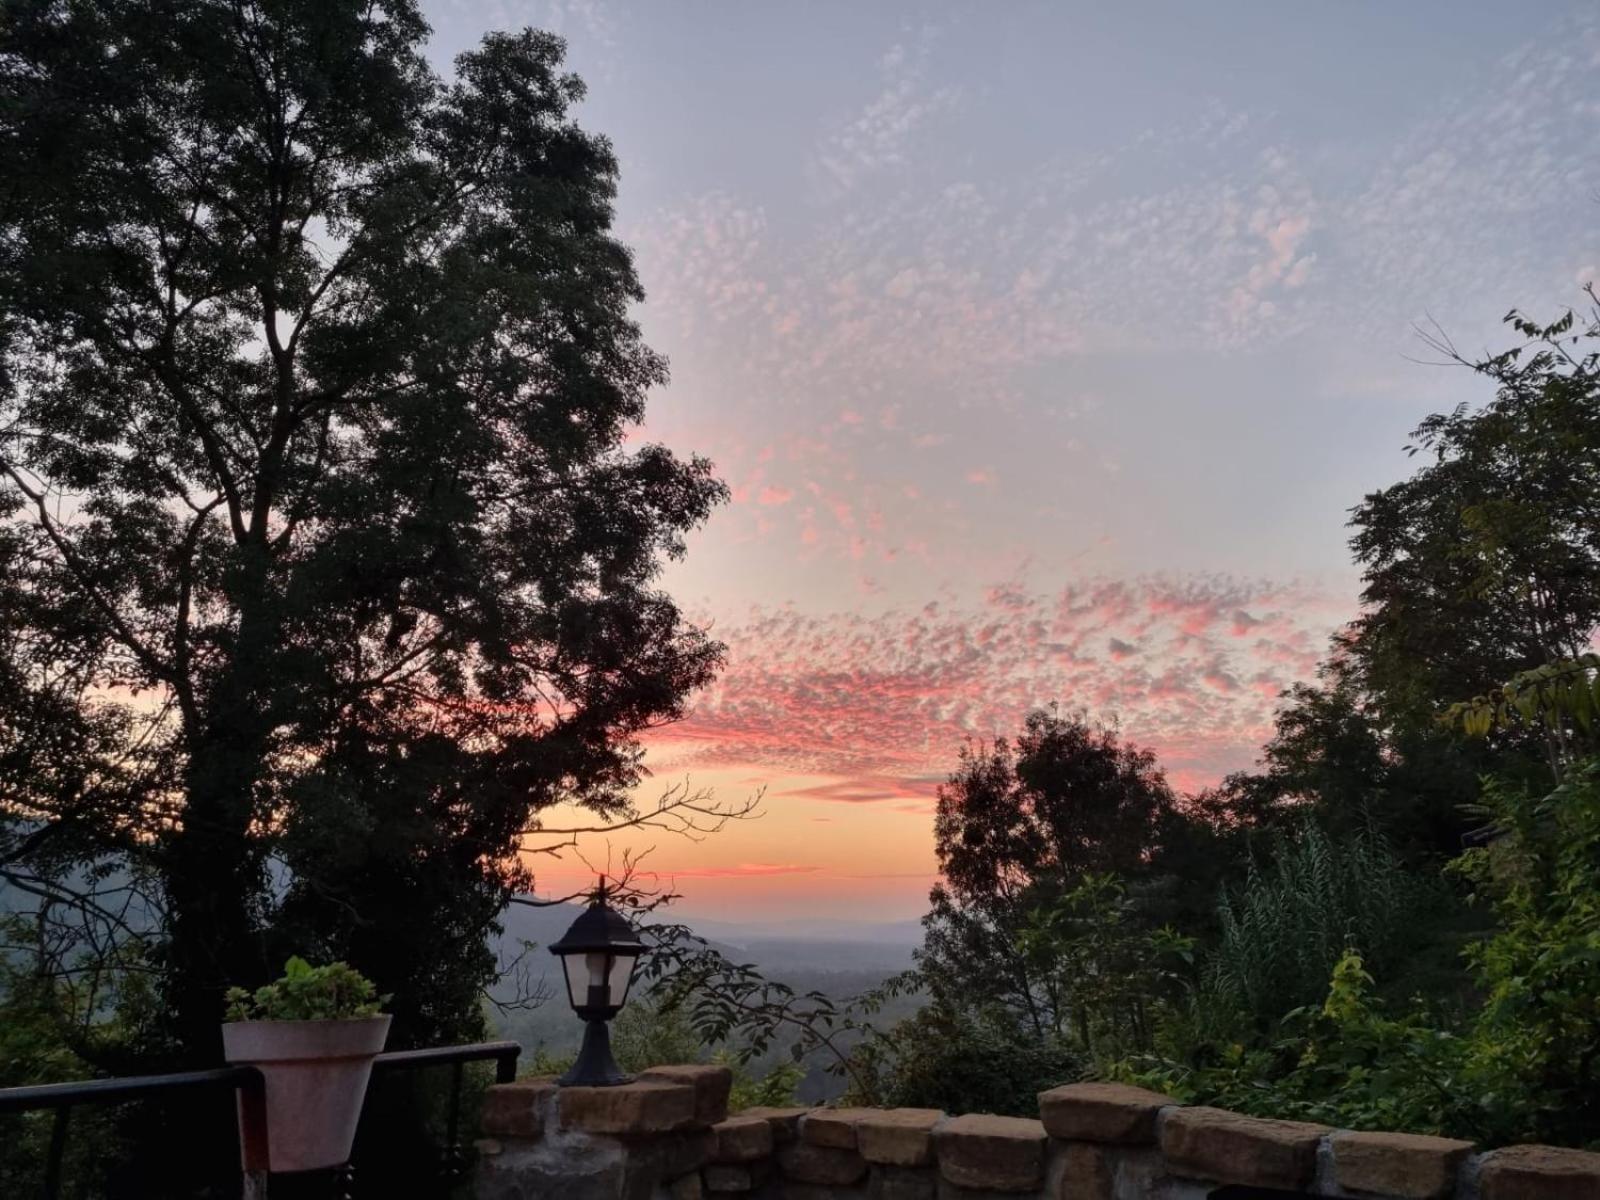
{"points": [[594, 1066]]}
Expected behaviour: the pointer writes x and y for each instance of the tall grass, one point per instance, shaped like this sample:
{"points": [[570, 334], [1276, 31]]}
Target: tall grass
{"points": [[1297, 912]]}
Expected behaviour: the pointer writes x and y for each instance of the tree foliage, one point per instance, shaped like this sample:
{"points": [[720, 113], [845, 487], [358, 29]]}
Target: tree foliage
{"points": [[1486, 562], [1307, 900], [1520, 1067], [1020, 827], [327, 564]]}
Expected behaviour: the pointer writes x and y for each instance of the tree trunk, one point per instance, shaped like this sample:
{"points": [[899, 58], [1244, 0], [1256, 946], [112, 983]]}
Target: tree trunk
{"points": [[212, 868]]}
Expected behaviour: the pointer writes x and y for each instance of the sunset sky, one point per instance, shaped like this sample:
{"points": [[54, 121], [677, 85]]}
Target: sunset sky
{"points": [[1044, 348]]}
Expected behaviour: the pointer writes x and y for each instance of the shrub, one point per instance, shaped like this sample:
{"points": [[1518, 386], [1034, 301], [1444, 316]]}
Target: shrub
{"points": [[1297, 915], [963, 1063]]}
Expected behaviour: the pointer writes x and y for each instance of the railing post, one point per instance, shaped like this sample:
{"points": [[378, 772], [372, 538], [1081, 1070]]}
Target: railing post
{"points": [[58, 1146], [253, 1157], [505, 1066], [454, 1160]]}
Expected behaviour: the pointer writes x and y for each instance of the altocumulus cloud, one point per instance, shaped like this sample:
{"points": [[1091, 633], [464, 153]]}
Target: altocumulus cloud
{"points": [[877, 706]]}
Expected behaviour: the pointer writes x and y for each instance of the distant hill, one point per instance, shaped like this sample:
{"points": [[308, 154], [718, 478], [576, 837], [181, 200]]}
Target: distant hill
{"points": [[904, 934], [839, 958]]}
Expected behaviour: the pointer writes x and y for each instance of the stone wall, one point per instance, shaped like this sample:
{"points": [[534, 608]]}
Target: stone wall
{"points": [[668, 1136]]}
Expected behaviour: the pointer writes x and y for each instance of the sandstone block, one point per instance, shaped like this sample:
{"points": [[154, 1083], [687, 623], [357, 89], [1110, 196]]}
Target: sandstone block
{"points": [[741, 1139], [900, 1137], [791, 1190], [672, 1156], [831, 1127], [1102, 1112], [1080, 1171], [517, 1110], [710, 1083], [728, 1177], [598, 1170], [807, 1162], [686, 1187], [901, 1183], [1540, 1173], [643, 1106], [945, 1190], [1004, 1154], [785, 1122], [1398, 1164], [1214, 1144]]}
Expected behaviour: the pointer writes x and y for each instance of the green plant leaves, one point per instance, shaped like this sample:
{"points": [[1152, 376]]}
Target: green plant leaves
{"points": [[332, 992]]}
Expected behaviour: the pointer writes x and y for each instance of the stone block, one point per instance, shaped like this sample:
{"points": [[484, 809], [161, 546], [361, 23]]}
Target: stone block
{"points": [[592, 1169], [686, 1187], [785, 1122], [517, 1110], [1002, 1154], [672, 1156], [741, 1139], [902, 1183], [1102, 1112], [643, 1106], [711, 1085], [834, 1127], [1539, 1173], [807, 1162], [945, 1190], [728, 1177], [1211, 1143], [1405, 1165], [791, 1190], [900, 1137], [1080, 1171]]}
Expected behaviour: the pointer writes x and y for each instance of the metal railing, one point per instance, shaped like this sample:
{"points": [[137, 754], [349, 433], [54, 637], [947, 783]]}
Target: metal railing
{"points": [[64, 1097], [248, 1084], [504, 1056]]}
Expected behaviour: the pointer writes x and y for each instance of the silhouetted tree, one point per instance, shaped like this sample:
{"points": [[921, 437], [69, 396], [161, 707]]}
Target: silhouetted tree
{"points": [[328, 566], [1020, 824], [1482, 565]]}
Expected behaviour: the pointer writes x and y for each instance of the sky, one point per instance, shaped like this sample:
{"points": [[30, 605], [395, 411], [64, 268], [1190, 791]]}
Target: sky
{"points": [[1044, 348]]}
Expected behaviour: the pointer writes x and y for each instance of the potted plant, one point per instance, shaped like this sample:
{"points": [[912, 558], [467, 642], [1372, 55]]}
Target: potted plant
{"points": [[313, 1034]]}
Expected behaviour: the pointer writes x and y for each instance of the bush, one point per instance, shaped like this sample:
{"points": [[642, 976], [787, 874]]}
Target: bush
{"points": [[776, 1089], [961, 1063], [1294, 918], [648, 1033], [1522, 1068]]}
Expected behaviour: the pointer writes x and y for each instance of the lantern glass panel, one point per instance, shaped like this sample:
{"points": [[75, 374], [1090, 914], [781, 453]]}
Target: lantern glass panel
{"points": [[580, 972], [621, 975]]}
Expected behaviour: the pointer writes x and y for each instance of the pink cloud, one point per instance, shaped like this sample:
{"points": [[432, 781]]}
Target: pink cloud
{"points": [[771, 496], [877, 707]]}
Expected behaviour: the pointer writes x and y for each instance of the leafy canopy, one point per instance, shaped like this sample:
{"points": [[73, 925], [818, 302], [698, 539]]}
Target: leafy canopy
{"points": [[327, 562]]}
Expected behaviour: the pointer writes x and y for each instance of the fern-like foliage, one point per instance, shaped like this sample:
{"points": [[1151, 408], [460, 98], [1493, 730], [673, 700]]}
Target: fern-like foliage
{"points": [[1301, 907]]}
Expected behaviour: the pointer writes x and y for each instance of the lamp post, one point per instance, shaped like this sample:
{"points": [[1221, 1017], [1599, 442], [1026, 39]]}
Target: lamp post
{"points": [[597, 955]]}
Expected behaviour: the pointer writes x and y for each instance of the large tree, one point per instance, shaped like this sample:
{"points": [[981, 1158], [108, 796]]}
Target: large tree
{"points": [[328, 563], [1022, 825], [1483, 565]]}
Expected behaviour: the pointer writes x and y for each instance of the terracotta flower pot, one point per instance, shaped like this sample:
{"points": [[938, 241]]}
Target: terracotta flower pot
{"points": [[316, 1076]]}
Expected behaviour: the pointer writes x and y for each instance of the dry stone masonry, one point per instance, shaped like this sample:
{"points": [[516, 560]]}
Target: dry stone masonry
{"points": [[668, 1136]]}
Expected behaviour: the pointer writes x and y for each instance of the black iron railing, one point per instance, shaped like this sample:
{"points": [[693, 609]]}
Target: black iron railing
{"points": [[246, 1082], [64, 1097], [503, 1054]]}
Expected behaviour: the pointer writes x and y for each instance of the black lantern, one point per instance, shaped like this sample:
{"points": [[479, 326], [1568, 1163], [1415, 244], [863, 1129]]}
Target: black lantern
{"points": [[597, 956]]}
